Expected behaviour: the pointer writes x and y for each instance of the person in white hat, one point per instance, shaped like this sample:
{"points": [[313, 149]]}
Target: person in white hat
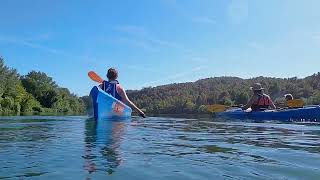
{"points": [[259, 101], [288, 97]]}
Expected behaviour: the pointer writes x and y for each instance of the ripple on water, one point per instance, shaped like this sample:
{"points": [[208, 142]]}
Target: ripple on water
{"points": [[157, 148]]}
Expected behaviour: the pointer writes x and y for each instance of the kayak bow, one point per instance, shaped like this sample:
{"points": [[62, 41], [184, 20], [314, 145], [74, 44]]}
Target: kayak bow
{"points": [[106, 107], [305, 113]]}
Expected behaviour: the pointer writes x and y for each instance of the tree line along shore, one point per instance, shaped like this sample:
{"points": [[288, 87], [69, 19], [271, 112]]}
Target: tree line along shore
{"points": [[36, 92]]}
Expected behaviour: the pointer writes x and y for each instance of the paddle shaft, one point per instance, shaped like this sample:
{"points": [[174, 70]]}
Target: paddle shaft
{"points": [[296, 103]]}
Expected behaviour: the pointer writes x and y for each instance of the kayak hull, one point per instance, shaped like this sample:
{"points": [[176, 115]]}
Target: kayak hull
{"points": [[306, 113], [106, 107]]}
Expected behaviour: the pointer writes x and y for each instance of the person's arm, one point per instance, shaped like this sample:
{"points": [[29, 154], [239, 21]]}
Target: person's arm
{"points": [[272, 106], [101, 85], [127, 101], [249, 104]]}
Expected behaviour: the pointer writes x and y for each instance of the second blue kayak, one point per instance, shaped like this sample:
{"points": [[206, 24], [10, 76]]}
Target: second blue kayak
{"points": [[305, 113], [106, 107]]}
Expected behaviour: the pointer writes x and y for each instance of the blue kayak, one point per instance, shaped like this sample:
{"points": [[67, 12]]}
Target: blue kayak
{"points": [[305, 113], [106, 107]]}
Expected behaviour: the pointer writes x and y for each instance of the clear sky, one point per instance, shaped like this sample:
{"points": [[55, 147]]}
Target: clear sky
{"points": [[154, 42]]}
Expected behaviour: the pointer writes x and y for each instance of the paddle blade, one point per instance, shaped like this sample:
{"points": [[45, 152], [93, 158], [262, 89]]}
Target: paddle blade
{"points": [[142, 115], [216, 108], [295, 103], [95, 77]]}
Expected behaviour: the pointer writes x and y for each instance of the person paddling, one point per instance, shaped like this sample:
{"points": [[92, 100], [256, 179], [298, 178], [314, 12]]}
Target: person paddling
{"points": [[113, 88], [259, 101]]}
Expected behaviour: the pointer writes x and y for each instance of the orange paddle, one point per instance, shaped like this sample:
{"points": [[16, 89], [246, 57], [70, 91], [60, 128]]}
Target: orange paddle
{"points": [[95, 77], [220, 108], [295, 103]]}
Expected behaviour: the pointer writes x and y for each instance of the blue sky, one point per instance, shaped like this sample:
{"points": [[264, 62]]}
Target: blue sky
{"points": [[154, 42]]}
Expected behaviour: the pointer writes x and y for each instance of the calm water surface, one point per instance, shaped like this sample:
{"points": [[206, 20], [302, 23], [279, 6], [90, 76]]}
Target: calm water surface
{"points": [[157, 148]]}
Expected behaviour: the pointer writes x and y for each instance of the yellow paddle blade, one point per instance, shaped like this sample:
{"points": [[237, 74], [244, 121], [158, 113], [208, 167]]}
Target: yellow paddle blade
{"points": [[216, 108], [95, 77], [295, 103]]}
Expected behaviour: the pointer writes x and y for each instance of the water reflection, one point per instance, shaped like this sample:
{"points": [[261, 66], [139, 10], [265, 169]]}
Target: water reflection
{"points": [[157, 148], [229, 141], [102, 145]]}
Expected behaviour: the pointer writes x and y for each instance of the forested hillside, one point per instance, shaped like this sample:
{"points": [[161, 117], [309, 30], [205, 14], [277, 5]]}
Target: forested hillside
{"points": [[37, 92], [34, 92], [192, 96]]}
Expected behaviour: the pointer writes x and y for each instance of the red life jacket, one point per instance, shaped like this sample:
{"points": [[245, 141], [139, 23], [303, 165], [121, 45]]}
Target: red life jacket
{"points": [[262, 103]]}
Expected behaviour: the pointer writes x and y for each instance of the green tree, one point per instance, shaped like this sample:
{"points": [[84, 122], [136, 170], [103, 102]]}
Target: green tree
{"points": [[30, 104], [202, 109], [314, 99], [7, 103], [274, 89], [34, 92], [9, 80], [86, 100], [188, 106], [3, 73], [41, 86], [241, 98]]}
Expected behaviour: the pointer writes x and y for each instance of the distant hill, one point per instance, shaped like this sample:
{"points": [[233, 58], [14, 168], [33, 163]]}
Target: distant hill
{"points": [[191, 97]]}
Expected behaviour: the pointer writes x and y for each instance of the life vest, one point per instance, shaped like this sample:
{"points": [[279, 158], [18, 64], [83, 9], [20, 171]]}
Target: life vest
{"points": [[262, 103], [110, 87]]}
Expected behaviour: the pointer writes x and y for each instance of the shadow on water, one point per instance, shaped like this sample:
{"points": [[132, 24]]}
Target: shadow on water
{"points": [[102, 143]]}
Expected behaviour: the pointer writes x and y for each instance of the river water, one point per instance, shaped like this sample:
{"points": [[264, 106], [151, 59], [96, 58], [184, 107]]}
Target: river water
{"points": [[75, 147]]}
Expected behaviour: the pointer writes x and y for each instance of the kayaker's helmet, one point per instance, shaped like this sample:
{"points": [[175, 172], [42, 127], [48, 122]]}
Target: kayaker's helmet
{"points": [[256, 87], [288, 97], [112, 74]]}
